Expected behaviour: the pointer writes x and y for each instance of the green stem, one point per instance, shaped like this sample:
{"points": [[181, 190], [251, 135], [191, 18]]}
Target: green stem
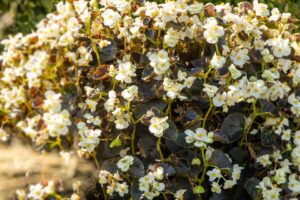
{"points": [[168, 111], [158, 143], [94, 155], [217, 49], [254, 115], [208, 112], [132, 139], [114, 84], [94, 45], [205, 165], [262, 67]]}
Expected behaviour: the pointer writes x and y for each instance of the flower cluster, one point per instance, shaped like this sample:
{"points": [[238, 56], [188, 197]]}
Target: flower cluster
{"points": [[114, 183], [150, 184], [43, 191], [215, 176], [146, 81]]}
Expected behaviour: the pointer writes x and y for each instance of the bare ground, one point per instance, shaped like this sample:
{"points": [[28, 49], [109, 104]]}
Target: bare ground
{"points": [[21, 166]]}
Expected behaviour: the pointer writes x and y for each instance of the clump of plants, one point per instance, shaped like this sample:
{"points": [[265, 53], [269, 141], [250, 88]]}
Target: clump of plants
{"points": [[178, 100]]}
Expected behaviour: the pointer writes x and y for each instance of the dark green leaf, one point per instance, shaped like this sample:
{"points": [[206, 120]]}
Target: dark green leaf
{"points": [[232, 128], [109, 52], [172, 132], [238, 155], [137, 169], [220, 159], [251, 187]]}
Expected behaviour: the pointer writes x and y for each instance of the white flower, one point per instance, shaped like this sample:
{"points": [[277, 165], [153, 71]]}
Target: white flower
{"points": [[264, 160], [158, 186], [195, 8], [90, 139], [124, 163], [122, 5], [280, 175], [199, 137], [110, 18], [280, 46], [179, 195], [109, 105], [211, 90], [294, 184], [270, 75], [261, 9], [275, 15], [273, 193], [286, 135], [91, 119], [296, 155], [229, 184], [239, 57], [171, 38], [122, 188], [121, 119], [130, 93], [295, 102], [158, 126], [36, 192], [297, 138], [236, 173], [50, 188], [257, 88], [103, 175], [218, 61], [160, 61], [173, 89], [80, 6], [52, 102], [188, 82], [215, 187], [213, 174], [104, 43], [57, 123], [212, 31], [235, 73], [219, 99], [91, 104], [126, 72]]}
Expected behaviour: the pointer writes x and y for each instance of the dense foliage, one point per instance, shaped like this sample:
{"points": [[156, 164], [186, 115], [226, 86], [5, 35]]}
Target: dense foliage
{"points": [[29, 12], [178, 100]]}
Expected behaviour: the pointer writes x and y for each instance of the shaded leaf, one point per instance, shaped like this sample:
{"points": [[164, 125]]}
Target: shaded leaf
{"points": [[141, 109], [238, 155], [232, 128], [251, 187], [135, 193], [147, 146], [109, 52], [137, 169], [110, 165], [220, 159], [266, 106], [219, 196], [169, 170], [267, 137], [172, 132], [147, 73]]}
